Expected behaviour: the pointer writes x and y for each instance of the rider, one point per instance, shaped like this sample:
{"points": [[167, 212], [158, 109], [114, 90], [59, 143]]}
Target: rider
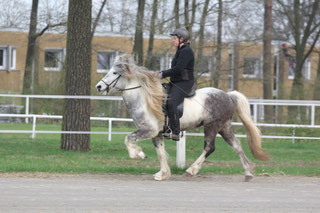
{"points": [[181, 79]]}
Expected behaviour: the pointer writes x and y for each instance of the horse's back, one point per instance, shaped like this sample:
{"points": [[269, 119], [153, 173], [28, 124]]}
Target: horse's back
{"points": [[207, 105]]}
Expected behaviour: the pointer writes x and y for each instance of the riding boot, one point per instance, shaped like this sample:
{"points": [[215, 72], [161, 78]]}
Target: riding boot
{"points": [[174, 124]]}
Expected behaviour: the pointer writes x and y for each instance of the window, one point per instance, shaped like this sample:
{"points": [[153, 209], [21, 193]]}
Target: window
{"points": [[252, 67], [53, 59], [3, 58], [8, 58], [105, 60]]}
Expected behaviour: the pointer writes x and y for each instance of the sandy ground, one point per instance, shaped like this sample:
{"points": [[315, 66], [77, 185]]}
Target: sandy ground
{"points": [[42, 192]]}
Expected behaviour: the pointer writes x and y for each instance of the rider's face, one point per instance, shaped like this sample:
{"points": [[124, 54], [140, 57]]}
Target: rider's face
{"points": [[175, 41]]}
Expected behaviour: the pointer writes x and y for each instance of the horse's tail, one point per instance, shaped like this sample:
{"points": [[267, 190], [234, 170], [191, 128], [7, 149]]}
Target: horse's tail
{"points": [[253, 133]]}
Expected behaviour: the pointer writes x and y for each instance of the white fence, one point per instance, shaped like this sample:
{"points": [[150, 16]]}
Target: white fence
{"points": [[254, 102], [180, 145]]}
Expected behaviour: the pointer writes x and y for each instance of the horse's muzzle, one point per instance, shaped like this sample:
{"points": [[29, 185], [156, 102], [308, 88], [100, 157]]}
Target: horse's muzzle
{"points": [[100, 88]]}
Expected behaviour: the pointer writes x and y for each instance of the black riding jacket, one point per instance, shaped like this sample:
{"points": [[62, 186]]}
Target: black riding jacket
{"points": [[182, 65]]}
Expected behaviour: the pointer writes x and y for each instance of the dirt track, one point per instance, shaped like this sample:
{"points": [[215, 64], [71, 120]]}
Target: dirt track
{"points": [[24, 192]]}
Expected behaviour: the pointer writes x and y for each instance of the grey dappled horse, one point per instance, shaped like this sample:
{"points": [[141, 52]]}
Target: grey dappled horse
{"points": [[143, 95]]}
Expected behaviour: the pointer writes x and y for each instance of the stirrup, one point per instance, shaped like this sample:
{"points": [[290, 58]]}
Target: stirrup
{"points": [[170, 135]]}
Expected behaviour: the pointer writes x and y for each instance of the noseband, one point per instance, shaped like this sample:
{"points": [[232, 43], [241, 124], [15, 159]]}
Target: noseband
{"points": [[114, 83]]}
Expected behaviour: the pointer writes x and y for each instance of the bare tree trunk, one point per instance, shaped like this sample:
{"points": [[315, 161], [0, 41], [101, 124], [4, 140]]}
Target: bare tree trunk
{"points": [[186, 14], [267, 59], [28, 78], [193, 17], [138, 37], [301, 37], [152, 32], [176, 13], [201, 39], [76, 115], [304, 25], [216, 71]]}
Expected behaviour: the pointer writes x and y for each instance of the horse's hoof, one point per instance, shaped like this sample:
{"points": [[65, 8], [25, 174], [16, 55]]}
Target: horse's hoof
{"points": [[248, 178], [193, 170], [141, 155], [160, 177], [187, 174]]}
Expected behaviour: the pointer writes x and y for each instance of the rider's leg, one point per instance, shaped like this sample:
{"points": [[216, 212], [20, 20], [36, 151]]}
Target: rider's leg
{"points": [[178, 92], [176, 97]]}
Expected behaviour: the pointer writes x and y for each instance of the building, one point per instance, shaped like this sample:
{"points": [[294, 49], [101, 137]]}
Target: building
{"points": [[241, 66]]}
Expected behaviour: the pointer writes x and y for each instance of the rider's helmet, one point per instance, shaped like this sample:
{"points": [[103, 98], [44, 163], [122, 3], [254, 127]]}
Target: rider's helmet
{"points": [[181, 33]]}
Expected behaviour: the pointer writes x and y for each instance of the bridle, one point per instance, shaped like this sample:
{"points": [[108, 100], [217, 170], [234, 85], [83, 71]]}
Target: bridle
{"points": [[114, 83]]}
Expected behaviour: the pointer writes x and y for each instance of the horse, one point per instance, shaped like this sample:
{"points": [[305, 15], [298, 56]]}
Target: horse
{"points": [[212, 108]]}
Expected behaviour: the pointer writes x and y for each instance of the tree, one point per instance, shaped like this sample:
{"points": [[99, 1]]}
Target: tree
{"points": [[304, 25], [199, 59], [267, 58], [216, 72], [96, 21], [29, 77], [76, 115], [189, 23], [149, 60], [138, 36], [176, 13]]}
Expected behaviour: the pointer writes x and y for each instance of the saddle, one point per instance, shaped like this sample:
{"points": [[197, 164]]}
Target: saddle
{"points": [[167, 88]]}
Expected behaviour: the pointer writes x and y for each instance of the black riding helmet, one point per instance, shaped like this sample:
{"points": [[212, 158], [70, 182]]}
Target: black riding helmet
{"points": [[181, 33]]}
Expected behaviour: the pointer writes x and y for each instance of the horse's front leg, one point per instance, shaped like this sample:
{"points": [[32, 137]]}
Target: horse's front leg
{"points": [[134, 150], [164, 173]]}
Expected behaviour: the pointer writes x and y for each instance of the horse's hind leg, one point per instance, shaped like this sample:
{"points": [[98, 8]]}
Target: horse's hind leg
{"points": [[209, 147], [164, 172], [230, 138]]}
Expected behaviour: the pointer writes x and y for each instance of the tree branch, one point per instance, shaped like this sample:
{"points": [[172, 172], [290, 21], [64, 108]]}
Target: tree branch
{"points": [[48, 27], [95, 24]]}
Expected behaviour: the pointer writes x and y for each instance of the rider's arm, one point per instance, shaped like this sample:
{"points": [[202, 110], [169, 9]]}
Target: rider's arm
{"points": [[182, 62]]}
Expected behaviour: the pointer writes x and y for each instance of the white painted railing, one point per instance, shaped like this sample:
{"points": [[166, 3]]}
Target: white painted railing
{"points": [[181, 143]]}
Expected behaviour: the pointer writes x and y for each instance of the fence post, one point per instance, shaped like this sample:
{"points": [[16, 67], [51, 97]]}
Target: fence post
{"points": [[27, 109], [181, 152], [110, 129], [34, 127], [312, 114], [293, 135], [255, 113]]}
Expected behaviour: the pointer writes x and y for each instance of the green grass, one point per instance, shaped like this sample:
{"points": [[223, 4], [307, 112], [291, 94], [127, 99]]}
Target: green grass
{"points": [[20, 153]]}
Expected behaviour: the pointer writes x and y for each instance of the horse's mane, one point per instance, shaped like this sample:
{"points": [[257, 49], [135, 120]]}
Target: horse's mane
{"points": [[150, 84]]}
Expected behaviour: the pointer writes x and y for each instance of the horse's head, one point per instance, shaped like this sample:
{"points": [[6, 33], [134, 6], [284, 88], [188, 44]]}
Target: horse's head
{"points": [[117, 75]]}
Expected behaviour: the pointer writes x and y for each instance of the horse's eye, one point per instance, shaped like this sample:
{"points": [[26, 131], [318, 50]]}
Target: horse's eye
{"points": [[119, 66]]}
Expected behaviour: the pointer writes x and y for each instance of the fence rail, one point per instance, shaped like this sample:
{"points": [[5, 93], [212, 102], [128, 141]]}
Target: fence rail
{"points": [[254, 102]]}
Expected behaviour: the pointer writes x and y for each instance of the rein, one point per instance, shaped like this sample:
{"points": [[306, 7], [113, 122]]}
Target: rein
{"points": [[114, 82]]}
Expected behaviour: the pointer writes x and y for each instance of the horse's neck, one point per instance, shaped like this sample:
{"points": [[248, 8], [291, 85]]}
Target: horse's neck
{"points": [[135, 103]]}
